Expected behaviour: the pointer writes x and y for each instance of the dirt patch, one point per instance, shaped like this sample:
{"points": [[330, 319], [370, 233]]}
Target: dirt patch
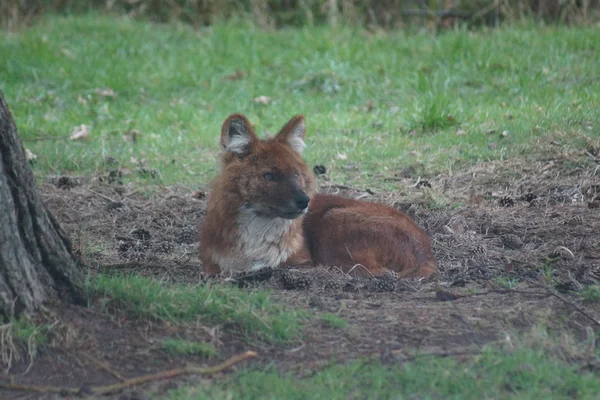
{"points": [[523, 234]]}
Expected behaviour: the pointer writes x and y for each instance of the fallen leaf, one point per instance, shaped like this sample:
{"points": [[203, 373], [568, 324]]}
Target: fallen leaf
{"points": [[107, 92], [29, 155], [504, 133], [237, 75], [461, 132], [79, 132], [548, 166], [262, 100], [67, 53], [341, 156]]}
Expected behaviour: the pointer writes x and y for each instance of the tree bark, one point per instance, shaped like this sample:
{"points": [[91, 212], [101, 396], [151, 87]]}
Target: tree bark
{"points": [[37, 264]]}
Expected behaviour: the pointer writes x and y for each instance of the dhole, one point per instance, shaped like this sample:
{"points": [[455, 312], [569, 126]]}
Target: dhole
{"points": [[263, 212]]}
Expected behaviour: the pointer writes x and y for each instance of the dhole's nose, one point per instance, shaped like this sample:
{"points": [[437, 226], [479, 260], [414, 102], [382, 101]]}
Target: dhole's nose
{"points": [[301, 201]]}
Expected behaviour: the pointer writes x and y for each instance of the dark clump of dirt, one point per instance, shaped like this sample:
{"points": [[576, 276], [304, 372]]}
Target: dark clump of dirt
{"points": [[514, 243]]}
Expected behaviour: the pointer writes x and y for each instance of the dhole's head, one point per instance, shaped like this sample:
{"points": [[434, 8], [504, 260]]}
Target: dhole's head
{"points": [[268, 177]]}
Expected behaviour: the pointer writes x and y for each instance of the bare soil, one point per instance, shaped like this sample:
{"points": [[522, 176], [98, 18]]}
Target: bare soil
{"points": [[514, 241]]}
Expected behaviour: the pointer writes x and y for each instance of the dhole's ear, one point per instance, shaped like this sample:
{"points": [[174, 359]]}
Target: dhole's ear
{"points": [[237, 135], [293, 133]]}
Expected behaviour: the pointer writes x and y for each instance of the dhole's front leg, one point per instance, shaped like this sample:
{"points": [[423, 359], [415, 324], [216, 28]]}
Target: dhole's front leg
{"points": [[211, 268]]}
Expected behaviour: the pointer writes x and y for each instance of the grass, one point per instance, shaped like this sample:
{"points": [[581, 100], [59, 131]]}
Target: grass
{"points": [[591, 293], [21, 336], [184, 347], [374, 102], [521, 374], [253, 314], [24, 330], [505, 282], [333, 321]]}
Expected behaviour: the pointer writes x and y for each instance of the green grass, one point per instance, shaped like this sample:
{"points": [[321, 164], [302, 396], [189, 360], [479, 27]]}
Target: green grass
{"points": [[333, 321], [505, 282], [374, 103], [251, 313], [184, 347], [24, 330], [591, 293], [523, 374], [21, 336]]}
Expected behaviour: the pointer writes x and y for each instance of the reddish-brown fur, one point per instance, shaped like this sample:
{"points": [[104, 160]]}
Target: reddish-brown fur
{"points": [[257, 215]]}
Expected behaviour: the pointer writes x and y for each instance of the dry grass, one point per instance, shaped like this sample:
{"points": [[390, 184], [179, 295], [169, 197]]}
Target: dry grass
{"points": [[527, 222], [269, 13]]}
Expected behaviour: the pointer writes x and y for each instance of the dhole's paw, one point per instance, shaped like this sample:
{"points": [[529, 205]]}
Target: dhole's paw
{"points": [[292, 281]]}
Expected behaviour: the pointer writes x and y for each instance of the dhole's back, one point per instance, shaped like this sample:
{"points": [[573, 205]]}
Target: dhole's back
{"points": [[366, 238]]}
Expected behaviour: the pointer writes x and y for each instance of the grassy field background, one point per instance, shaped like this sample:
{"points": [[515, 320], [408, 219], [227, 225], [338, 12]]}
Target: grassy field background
{"points": [[373, 102]]}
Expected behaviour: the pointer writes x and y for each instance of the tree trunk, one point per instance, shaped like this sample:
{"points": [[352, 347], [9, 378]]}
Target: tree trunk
{"points": [[37, 264]]}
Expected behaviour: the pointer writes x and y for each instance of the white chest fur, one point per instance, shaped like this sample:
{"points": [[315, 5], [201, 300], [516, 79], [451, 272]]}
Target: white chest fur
{"points": [[260, 243]]}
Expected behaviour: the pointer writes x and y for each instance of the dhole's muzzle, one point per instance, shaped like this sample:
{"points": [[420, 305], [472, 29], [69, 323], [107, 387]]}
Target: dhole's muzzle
{"points": [[292, 202]]}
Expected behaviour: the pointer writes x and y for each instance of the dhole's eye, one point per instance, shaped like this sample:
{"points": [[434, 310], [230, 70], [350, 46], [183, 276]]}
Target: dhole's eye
{"points": [[268, 176], [296, 175]]}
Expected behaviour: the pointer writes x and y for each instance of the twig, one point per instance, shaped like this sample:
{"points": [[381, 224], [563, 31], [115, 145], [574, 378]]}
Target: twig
{"points": [[575, 306], [106, 389], [444, 295], [449, 296], [103, 196], [104, 366]]}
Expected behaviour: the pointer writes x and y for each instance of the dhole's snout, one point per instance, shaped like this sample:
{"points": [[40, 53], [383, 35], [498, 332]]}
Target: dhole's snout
{"points": [[302, 201], [296, 206]]}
